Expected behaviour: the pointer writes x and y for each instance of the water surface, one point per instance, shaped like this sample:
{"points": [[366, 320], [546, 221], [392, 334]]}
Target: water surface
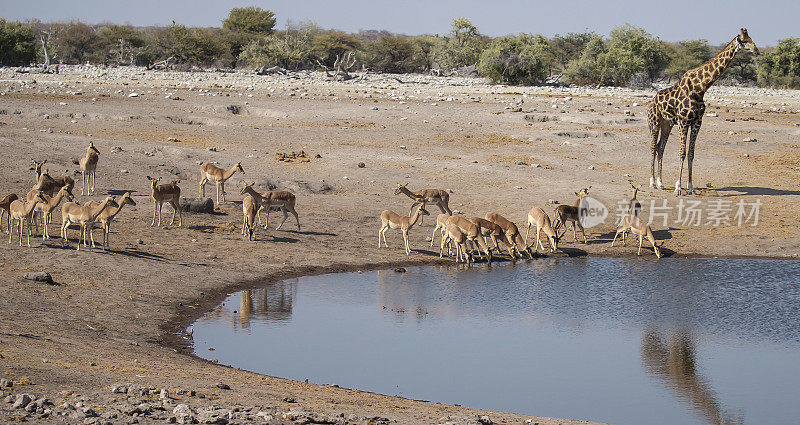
{"points": [[626, 341]]}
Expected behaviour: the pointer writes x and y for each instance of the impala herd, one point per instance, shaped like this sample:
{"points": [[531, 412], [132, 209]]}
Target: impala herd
{"points": [[465, 235], [468, 235]]}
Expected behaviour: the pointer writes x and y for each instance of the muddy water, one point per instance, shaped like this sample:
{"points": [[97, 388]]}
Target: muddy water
{"points": [[626, 341]]}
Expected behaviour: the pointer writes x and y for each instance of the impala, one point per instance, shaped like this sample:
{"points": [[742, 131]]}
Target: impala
{"points": [[88, 166], [210, 172], [22, 211], [392, 220], [169, 192], [424, 197]]}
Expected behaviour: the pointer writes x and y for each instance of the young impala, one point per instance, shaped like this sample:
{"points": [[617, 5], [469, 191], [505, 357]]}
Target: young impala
{"points": [[88, 166], [84, 215], [392, 220], [640, 228], [161, 193], [210, 172], [424, 197], [23, 211], [537, 217], [571, 214]]}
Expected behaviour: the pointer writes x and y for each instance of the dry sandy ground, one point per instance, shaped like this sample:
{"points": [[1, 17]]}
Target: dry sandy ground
{"points": [[119, 316]]}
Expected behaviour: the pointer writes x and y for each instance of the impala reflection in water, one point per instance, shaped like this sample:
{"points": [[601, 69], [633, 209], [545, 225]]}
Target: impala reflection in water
{"points": [[625, 341]]}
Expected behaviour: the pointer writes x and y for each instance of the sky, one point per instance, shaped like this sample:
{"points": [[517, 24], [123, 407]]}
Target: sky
{"points": [[675, 20]]}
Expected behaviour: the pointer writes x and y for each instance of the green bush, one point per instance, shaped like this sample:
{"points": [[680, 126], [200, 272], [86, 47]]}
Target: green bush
{"points": [[253, 20], [781, 66], [567, 48], [17, 44], [78, 43], [189, 46], [424, 47], [588, 69], [461, 47], [629, 51], [120, 44], [688, 55], [292, 50], [516, 60], [391, 53], [330, 45], [632, 50]]}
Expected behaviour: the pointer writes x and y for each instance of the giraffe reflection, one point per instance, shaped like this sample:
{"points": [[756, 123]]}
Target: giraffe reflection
{"points": [[272, 303], [672, 358]]}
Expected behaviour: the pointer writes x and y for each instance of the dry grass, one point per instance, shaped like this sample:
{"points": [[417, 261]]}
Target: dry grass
{"points": [[480, 140]]}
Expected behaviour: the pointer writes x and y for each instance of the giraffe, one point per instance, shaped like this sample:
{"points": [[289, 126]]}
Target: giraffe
{"points": [[683, 104]]}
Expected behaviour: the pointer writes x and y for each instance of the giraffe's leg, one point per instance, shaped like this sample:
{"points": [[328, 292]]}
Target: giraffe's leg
{"points": [[666, 128], [692, 138], [653, 121], [684, 130], [640, 245]]}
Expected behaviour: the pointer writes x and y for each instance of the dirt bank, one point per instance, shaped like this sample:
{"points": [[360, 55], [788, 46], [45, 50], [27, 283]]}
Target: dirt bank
{"points": [[117, 317]]}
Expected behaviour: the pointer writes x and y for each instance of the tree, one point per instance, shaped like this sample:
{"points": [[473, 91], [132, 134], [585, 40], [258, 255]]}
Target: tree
{"points": [[518, 59], [568, 48], [77, 43], [588, 69], [253, 20], [189, 46], [17, 44], [633, 50], [688, 55], [390, 53], [424, 47], [120, 43], [461, 47], [781, 66], [292, 49], [334, 44], [630, 51]]}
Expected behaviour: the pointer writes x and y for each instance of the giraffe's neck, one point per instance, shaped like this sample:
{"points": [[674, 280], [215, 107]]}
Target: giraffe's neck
{"points": [[707, 74]]}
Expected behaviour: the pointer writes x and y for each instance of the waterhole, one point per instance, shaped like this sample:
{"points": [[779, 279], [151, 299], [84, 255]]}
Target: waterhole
{"points": [[619, 340]]}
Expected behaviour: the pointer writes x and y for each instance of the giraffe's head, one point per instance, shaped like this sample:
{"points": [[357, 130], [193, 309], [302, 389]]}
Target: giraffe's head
{"points": [[745, 42]]}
